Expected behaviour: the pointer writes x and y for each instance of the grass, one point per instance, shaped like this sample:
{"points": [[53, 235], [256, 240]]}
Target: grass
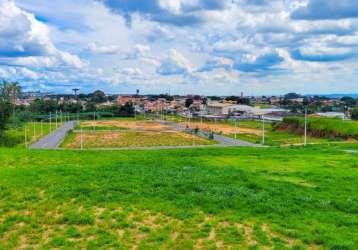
{"points": [[116, 139], [15, 136], [240, 198], [251, 131], [323, 127], [280, 138]]}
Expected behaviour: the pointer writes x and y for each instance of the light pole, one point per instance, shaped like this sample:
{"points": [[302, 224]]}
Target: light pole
{"points": [[81, 138], [305, 139], [263, 130], [56, 119], [34, 127], [42, 129], [50, 122], [235, 128]]}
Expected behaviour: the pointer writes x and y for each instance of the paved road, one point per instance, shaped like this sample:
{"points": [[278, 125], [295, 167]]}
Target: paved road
{"points": [[223, 140], [52, 140]]}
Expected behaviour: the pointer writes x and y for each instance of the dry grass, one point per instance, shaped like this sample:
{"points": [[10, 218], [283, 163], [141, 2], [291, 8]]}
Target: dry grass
{"points": [[132, 228], [115, 139], [140, 125], [221, 128]]}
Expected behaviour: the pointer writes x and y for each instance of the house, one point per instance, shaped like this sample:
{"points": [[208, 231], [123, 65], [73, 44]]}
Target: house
{"points": [[122, 100], [217, 108]]}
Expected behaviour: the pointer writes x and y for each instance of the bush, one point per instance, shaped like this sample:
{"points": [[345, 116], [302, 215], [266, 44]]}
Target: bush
{"points": [[355, 114]]}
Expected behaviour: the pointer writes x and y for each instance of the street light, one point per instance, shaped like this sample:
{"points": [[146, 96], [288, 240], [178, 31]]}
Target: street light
{"points": [[305, 139], [263, 130]]}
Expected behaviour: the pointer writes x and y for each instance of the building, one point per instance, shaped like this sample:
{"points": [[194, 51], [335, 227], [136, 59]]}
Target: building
{"points": [[123, 100], [217, 108], [332, 115]]}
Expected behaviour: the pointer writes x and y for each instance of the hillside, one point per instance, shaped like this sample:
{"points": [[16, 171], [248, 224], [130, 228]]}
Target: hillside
{"points": [[321, 127]]}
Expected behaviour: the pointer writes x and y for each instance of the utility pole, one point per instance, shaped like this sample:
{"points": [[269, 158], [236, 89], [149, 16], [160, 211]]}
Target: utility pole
{"points": [[75, 90], [305, 139], [263, 130]]}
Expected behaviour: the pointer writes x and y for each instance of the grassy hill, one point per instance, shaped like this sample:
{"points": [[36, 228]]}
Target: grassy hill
{"points": [[322, 127], [291, 198]]}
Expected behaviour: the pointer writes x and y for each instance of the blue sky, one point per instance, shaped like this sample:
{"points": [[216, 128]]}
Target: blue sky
{"points": [[212, 47]]}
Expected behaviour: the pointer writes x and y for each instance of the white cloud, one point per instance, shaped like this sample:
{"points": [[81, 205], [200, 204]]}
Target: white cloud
{"points": [[24, 40], [175, 63], [109, 49]]}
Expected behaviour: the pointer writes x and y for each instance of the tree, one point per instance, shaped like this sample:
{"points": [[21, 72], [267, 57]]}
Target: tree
{"points": [[72, 107], [5, 105], [188, 102], [349, 101], [98, 96], [355, 114], [44, 106], [91, 107], [290, 96]]}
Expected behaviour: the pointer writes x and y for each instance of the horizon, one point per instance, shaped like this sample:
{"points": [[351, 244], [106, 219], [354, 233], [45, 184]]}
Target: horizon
{"points": [[204, 47]]}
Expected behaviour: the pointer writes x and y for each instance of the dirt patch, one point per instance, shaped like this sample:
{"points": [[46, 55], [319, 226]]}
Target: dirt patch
{"points": [[221, 128], [140, 125]]}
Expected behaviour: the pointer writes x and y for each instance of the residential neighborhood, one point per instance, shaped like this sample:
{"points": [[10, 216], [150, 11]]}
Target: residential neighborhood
{"points": [[273, 108]]}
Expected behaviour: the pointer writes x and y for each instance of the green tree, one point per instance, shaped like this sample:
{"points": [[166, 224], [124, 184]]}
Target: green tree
{"points": [[6, 106], [355, 114], [43, 106], [349, 101], [188, 102], [98, 96], [91, 107]]}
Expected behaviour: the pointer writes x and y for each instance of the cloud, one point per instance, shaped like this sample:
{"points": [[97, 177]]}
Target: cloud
{"points": [[261, 63], [109, 49], [176, 12], [175, 64], [217, 63], [327, 9], [65, 42], [322, 54], [25, 41]]}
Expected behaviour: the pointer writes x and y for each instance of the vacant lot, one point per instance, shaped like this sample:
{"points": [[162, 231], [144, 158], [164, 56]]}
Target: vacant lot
{"points": [[252, 131], [224, 128], [115, 139], [125, 124], [232, 198]]}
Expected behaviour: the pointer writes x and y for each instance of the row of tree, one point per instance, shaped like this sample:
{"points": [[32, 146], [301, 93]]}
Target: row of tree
{"points": [[8, 94]]}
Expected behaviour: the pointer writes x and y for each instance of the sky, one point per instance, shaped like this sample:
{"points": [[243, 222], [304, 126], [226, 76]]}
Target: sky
{"points": [[209, 47]]}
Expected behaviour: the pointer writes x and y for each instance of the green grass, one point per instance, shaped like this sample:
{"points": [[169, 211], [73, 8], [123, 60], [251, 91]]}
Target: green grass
{"points": [[284, 198], [280, 138], [15, 137], [322, 127]]}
